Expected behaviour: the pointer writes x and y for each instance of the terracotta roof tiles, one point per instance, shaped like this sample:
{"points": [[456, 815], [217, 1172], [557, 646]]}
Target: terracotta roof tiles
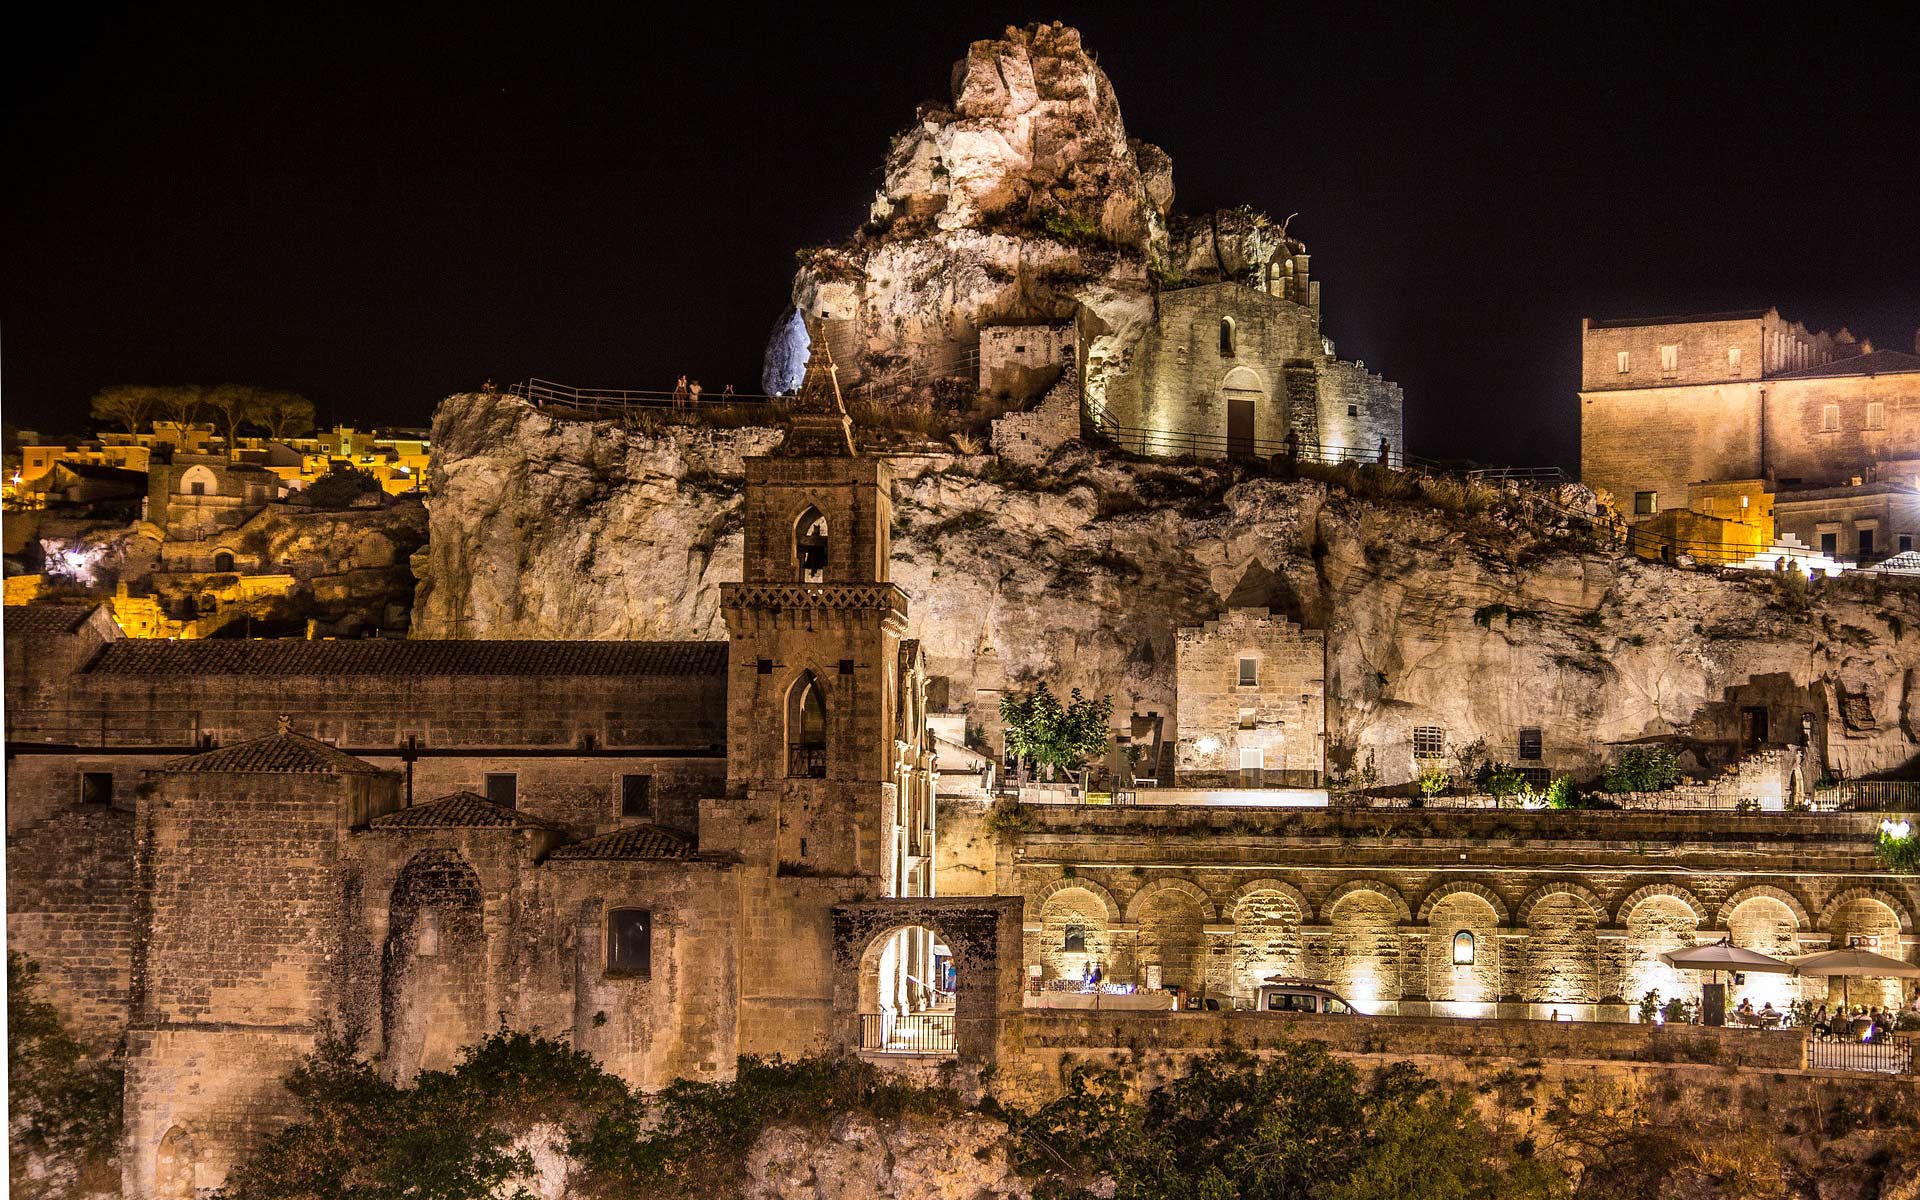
{"points": [[275, 754], [462, 810], [380, 656], [645, 843]]}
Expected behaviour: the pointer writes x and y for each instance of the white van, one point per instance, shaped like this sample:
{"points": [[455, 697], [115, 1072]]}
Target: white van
{"points": [[1283, 993]]}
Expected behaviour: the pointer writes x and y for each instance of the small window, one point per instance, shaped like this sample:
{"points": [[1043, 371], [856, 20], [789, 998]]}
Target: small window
{"points": [[1252, 758], [1429, 741], [846, 666], [1463, 949], [1866, 543], [630, 942], [1339, 1007], [1906, 542], [1249, 718], [763, 666], [1733, 359], [96, 787], [1829, 418], [1075, 939], [1624, 361], [1830, 544], [636, 795], [196, 488], [503, 788], [1353, 410], [1249, 672], [223, 562], [1646, 503], [1876, 415], [1669, 359], [1530, 745], [1226, 336]]}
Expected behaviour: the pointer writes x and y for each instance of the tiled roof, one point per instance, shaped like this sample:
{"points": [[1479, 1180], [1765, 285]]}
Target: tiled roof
{"points": [[1745, 314], [275, 754], [45, 620], [380, 656], [634, 843], [462, 810], [1880, 362]]}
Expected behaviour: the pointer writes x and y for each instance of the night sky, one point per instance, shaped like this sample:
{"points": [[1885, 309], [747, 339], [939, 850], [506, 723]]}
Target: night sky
{"points": [[380, 209]]}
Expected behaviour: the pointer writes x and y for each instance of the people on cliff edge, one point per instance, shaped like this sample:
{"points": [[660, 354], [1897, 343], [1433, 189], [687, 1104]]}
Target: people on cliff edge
{"points": [[680, 392], [693, 394]]}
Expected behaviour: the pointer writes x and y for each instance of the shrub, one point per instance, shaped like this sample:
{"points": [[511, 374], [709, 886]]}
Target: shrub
{"points": [[1499, 780], [1433, 781], [1642, 769], [65, 1103], [1898, 846], [1560, 793], [343, 484], [1008, 819]]}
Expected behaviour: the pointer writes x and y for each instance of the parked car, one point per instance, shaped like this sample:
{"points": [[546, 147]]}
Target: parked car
{"points": [[1282, 993]]}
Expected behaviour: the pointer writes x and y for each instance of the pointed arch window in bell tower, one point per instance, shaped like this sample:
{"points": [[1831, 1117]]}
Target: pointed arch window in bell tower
{"points": [[806, 729], [810, 545]]}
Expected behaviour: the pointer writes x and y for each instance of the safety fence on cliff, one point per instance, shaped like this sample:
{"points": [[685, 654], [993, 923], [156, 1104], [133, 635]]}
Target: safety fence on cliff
{"points": [[602, 404]]}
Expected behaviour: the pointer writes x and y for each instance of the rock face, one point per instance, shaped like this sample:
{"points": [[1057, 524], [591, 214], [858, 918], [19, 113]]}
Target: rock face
{"points": [[861, 1158], [1021, 197], [1081, 571]]}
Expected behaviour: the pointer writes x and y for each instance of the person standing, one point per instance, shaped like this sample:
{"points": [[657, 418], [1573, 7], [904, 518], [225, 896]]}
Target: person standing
{"points": [[680, 392]]}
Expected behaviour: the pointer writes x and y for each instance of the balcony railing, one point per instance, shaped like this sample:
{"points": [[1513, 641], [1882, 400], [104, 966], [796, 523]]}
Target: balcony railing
{"points": [[1891, 1056], [1868, 795], [806, 762], [906, 1033]]}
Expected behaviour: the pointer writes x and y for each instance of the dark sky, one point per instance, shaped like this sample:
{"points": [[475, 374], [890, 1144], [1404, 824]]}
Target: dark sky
{"points": [[378, 209]]}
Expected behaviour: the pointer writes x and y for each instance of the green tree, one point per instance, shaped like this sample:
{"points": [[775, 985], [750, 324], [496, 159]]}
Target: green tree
{"points": [[343, 484], [181, 405], [1642, 769], [231, 405], [1056, 736], [65, 1102], [127, 405]]}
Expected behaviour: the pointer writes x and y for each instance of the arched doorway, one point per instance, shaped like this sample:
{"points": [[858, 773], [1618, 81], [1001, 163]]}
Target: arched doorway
{"points": [[1073, 936], [907, 984], [1242, 395], [1363, 949], [434, 964], [174, 1166], [1563, 943]]}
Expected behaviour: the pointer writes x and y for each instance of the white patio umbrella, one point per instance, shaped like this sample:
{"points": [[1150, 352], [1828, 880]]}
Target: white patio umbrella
{"points": [[1854, 961]]}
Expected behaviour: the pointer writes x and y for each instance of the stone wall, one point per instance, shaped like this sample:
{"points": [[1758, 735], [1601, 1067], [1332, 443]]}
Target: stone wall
{"points": [[1660, 440], [1358, 410], [70, 910], [1029, 438], [1222, 723], [1023, 361]]}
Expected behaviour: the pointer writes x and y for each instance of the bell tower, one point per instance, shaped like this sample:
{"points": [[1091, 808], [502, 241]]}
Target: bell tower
{"points": [[814, 668]]}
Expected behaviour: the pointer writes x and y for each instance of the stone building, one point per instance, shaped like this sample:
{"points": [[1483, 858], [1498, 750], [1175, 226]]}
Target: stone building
{"points": [[1670, 403], [1252, 703], [216, 845], [1242, 368], [198, 495]]}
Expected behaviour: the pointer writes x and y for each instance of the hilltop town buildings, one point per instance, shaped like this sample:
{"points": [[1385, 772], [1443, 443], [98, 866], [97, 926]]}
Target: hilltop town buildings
{"points": [[1689, 413]]}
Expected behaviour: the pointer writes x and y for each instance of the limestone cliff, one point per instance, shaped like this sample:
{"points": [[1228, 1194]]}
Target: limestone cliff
{"points": [[1080, 572], [1021, 197]]}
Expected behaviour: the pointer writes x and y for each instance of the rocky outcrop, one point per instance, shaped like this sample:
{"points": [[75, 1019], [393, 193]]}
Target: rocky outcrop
{"points": [[1020, 197], [1080, 571], [859, 1157]]}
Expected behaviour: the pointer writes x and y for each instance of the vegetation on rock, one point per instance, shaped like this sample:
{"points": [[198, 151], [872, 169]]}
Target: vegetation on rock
{"points": [[1642, 769], [1053, 735], [64, 1102]]}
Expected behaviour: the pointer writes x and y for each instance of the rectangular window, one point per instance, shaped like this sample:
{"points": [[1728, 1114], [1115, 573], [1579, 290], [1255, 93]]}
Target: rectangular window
{"points": [[630, 942], [1530, 745], [1906, 542], [1829, 544], [503, 788], [197, 488], [1625, 361], [1669, 359], [1876, 415], [1733, 359], [96, 787], [1249, 718], [1866, 543], [1429, 741], [1353, 410], [1646, 503], [636, 795], [1829, 418], [1249, 672]]}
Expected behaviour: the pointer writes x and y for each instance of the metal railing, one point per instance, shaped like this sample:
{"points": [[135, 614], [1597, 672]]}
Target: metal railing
{"points": [[1868, 795], [806, 762], [1889, 1056], [906, 1033], [1175, 443], [1541, 475], [614, 401]]}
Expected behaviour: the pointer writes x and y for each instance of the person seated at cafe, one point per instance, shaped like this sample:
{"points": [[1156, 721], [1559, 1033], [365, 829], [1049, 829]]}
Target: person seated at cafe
{"points": [[1769, 1015], [1745, 1009], [1819, 1021]]}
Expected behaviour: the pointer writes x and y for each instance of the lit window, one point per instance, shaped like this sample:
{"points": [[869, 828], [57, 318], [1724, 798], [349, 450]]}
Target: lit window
{"points": [[1075, 939], [1646, 503], [1829, 418], [1530, 745], [503, 788], [630, 942], [1669, 359], [1876, 415], [636, 795], [1249, 672], [1625, 361], [1463, 949], [1429, 741]]}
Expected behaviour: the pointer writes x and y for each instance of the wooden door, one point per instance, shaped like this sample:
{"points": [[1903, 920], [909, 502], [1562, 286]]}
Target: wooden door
{"points": [[1239, 428]]}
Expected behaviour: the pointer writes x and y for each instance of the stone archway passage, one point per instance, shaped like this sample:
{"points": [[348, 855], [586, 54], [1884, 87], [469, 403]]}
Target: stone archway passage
{"points": [[1657, 924], [1766, 923], [1266, 942], [1562, 945], [434, 964], [983, 936], [1468, 988]]}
